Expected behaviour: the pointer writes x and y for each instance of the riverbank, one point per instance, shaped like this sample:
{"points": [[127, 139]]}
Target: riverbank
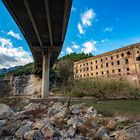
{"points": [[58, 121]]}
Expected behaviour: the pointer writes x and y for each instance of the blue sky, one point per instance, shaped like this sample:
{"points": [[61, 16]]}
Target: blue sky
{"points": [[95, 26]]}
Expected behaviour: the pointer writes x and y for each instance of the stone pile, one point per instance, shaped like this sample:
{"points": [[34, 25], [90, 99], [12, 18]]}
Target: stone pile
{"points": [[57, 121]]}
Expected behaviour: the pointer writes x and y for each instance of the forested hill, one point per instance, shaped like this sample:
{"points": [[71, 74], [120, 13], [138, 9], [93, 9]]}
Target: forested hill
{"points": [[67, 59]]}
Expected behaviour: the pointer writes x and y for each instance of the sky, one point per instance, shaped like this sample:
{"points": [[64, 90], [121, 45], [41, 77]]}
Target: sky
{"points": [[95, 26]]}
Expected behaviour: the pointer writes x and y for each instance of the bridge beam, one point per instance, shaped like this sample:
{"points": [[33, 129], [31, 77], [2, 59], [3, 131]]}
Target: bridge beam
{"points": [[46, 75]]}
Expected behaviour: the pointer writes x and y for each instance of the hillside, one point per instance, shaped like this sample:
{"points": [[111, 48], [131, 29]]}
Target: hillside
{"points": [[28, 68]]}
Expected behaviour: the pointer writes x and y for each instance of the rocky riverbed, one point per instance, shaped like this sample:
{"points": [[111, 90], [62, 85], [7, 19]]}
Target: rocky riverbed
{"points": [[58, 121]]}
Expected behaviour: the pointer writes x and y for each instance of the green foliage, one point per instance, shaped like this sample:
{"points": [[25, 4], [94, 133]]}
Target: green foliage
{"points": [[65, 65], [102, 88], [75, 57], [2, 75], [23, 70]]}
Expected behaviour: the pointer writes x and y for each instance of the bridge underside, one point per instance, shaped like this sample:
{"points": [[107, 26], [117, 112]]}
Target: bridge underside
{"points": [[43, 24]]}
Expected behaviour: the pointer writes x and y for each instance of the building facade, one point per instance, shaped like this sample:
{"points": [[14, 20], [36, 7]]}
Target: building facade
{"points": [[123, 62]]}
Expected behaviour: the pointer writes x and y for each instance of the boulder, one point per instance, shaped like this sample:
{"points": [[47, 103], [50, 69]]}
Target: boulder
{"points": [[129, 133], [74, 121], [102, 132], [33, 135], [22, 130], [4, 109], [71, 132], [112, 124]]}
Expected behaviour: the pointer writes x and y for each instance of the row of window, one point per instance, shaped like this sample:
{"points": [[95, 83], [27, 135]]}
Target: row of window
{"points": [[106, 72], [111, 57], [102, 66]]}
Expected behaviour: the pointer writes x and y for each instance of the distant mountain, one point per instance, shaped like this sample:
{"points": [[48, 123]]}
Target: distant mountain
{"points": [[6, 70]]}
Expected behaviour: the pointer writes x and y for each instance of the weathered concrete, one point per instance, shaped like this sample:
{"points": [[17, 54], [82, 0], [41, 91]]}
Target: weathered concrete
{"points": [[45, 75]]}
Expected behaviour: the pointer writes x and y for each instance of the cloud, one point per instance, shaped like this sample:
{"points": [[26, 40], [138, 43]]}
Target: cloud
{"points": [[11, 56], [86, 20], [73, 9], [89, 47], [87, 17], [104, 40], [80, 29], [69, 50], [108, 29], [15, 35], [75, 46]]}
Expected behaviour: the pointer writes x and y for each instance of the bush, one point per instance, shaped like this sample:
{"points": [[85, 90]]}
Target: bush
{"points": [[102, 88]]}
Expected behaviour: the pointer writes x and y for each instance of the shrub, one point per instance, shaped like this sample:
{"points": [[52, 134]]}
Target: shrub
{"points": [[103, 88]]}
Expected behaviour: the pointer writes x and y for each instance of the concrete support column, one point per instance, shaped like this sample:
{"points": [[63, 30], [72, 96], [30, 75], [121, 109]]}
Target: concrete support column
{"points": [[45, 75]]}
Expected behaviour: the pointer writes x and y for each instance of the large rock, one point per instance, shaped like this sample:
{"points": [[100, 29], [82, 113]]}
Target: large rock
{"points": [[21, 131], [129, 133], [4, 109], [112, 124], [33, 135]]}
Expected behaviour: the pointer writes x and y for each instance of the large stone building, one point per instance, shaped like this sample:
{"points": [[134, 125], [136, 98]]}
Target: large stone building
{"points": [[123, 62]]}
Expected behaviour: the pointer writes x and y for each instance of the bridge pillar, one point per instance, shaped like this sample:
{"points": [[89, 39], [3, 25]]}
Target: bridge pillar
{"points": [[45, 75]]}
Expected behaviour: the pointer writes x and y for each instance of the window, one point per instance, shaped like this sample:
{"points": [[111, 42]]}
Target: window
{"points": [[80, 70], [87, 63], [91, 68], [101, 65], [91, 74], [96, 67], [117, 56], [102, 72], [101, 60], [128, 53], [96, 73], [138, 58], [80, 75], [138, 52], [111, 57], [91, 63], [80, 65], [128, 73], [96, 61], [126, 61], [87, 68], [122, 54], [118, 62], [127, 69], [84, 75], [107, 71], [106, 64], [113, 71], [83, 64], [119, 70], [112, 63], [87, 74], [106, 58]]}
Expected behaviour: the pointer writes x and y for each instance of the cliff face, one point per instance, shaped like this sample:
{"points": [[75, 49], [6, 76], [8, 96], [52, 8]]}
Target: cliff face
{"points": [[26, 85]]}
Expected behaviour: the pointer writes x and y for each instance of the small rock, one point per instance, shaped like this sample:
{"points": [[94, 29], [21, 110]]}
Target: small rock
{"points": [[71, 132], [33, 135], [2, 122], [120, 119], [21, 131]]}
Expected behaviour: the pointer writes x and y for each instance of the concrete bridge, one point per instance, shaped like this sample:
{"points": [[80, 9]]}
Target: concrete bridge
{"points": [[43, 24]]}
